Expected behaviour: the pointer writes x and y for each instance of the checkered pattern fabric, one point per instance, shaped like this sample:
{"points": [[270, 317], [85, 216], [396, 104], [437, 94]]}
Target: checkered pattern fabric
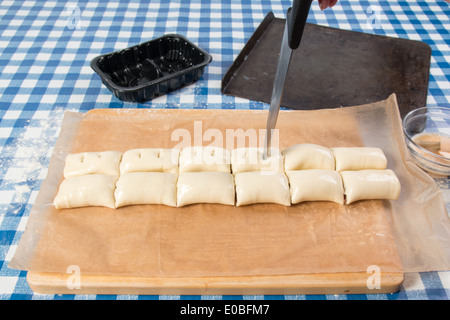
{"points": [[45, 51]]}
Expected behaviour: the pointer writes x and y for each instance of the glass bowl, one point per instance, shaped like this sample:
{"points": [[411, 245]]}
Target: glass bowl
{"points": [[427, 135]]}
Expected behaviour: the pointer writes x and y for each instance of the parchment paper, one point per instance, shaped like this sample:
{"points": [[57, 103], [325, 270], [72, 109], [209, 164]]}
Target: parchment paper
{"points": [[410, 234]]}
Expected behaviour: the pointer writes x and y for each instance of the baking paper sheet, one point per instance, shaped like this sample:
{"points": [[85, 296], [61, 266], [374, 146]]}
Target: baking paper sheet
{"points": [[410, 234]]}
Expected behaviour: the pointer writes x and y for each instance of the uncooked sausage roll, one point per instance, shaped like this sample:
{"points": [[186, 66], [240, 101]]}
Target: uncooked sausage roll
{"points": [[308, 156], [205, 187], [262, 187], [146, 188], [150, 160], [370, 185], [197, 159], [252, 159], [106, 162], [85, 191], [315, 185], [359, 158]]}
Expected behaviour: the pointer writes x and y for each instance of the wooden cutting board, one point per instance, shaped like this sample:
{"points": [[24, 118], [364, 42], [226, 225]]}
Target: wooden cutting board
{"points": [[329, 283], [286, 283]]}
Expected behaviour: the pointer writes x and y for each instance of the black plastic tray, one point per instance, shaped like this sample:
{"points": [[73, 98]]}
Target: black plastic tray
{"points": [[150, 69], [332, 68]]}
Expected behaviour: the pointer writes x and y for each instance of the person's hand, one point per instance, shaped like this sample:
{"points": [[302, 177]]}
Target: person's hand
{"points": [[327, 4]]}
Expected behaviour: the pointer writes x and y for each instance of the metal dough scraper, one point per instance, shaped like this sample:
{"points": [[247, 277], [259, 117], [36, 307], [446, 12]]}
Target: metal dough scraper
{"points": [[296, 17]]}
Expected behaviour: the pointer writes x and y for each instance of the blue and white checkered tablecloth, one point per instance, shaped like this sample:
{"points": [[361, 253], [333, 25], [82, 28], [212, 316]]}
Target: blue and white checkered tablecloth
{"points": [[45, 51]]}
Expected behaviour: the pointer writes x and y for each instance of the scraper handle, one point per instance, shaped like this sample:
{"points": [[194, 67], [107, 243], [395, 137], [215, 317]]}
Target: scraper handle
{"points": [[296, 19]]}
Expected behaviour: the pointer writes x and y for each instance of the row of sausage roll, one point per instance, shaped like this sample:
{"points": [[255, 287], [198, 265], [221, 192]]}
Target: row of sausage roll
{"points": [[244, 176], [194, 159]]}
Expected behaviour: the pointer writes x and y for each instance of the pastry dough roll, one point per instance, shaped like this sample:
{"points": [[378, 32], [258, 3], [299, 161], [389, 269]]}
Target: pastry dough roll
{"points": [[150, 160], [306, 156], [252, 159], [85, 191], [106, 162], [262, 187], [197, 159], [359, 158], [205, 187], [146, 188], [370, 185], [315, 185]]}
